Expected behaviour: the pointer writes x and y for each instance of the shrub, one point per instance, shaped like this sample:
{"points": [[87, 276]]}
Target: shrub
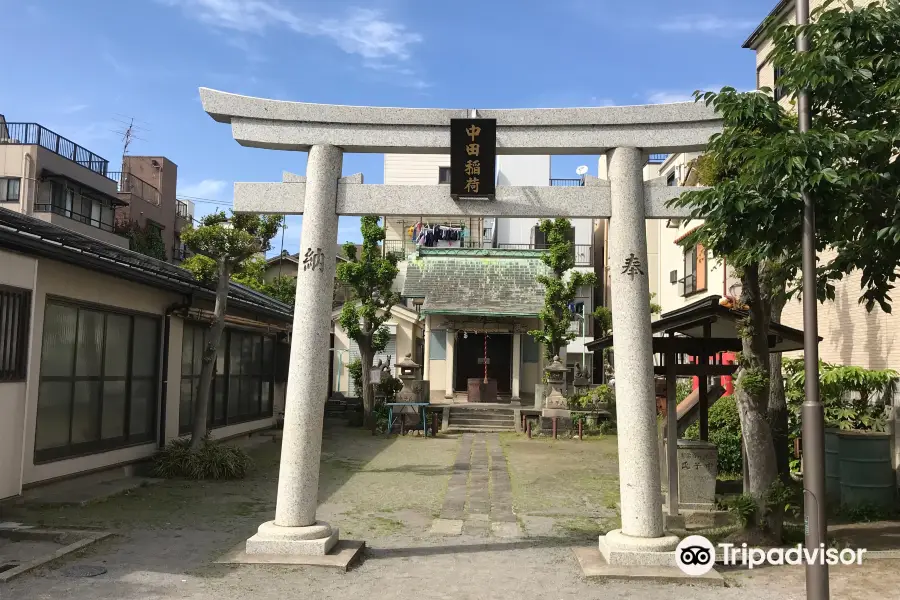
{"points": [[607, 428], [724, 432], [209, 461], [355, 369]]}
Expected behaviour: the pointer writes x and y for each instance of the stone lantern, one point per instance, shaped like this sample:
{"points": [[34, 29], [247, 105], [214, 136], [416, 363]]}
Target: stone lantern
{"points": [[410, 373], [555, 404]]}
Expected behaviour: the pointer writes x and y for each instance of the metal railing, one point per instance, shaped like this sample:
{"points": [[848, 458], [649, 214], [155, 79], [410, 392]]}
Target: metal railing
{"points": [[687, 285], [75, 216], [35, 134], [128, 183], [584, 255], [567, 182], [403, 247], [658, 159], [181, 210], [179, 253]]}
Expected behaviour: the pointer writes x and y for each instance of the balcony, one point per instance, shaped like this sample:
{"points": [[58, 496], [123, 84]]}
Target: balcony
{"points": [[181, 210], [584, 255], [578, 182], [33, 134], [136, 187], [657, 159]]}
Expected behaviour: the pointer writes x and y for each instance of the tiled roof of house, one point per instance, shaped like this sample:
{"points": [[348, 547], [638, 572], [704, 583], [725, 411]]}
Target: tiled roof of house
{"points": [[477, 281], [28, 235]]}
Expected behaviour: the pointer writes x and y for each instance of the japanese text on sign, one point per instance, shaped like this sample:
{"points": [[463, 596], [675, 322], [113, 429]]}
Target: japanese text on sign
{"points": [[473, 157]]}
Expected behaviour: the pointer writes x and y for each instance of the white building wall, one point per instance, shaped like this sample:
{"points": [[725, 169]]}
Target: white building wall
{"points": [[16, 271]]}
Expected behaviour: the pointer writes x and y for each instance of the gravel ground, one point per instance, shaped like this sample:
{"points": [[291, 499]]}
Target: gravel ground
{"points": [[386, 491]]}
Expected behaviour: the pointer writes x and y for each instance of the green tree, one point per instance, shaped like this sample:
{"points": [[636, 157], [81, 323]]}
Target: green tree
{"points": [[370, 276], [145, 239], [759, 166], [227, 243], [283, 288], [560, 290]]}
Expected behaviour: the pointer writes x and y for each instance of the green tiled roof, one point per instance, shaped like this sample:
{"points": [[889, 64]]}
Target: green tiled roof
{"points": [[476, 281]]}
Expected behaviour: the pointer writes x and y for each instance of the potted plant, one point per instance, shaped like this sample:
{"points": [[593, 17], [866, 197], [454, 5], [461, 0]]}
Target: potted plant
{"points": [[858, 469]]}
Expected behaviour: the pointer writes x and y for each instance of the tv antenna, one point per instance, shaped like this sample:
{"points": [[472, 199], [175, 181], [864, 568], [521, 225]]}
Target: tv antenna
{"points": [[582, 170]]}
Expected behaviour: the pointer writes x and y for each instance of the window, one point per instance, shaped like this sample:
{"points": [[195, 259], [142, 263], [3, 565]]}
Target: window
{"points": [[438, 346], [443, 174], [779, 91], [15, 307], [243, 382], [98, 382], [694, 271], [9, 189]]}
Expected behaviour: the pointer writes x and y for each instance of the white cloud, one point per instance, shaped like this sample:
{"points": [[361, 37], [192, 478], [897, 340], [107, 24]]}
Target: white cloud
{"points": [[73, 108], [708, 24], [668, 97], [208, 189], [362, 31]]}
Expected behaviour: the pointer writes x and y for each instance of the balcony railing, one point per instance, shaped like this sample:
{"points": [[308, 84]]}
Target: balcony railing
{"points": [[584, 256], [567, 182], [35, 134], [75, 216], [658, 159], [179, 253], [181, 210], [402, 247], [137, 187]]}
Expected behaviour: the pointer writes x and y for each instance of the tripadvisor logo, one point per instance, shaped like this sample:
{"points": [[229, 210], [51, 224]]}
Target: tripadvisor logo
{"points": [[696, 555]]}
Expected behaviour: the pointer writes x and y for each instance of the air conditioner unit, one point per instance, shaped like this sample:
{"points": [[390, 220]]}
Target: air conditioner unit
{"points": [[673, 276]]}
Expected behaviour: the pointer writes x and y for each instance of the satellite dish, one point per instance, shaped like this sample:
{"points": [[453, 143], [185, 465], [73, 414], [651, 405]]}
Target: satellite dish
{"points": [[581, 170]]}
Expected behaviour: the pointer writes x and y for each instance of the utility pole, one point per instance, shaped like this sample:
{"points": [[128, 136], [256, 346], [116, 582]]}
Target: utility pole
{"points": [[812, 413]]}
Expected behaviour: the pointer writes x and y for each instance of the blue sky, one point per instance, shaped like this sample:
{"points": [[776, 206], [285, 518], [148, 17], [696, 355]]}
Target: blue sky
{"points": [[93, 65]]}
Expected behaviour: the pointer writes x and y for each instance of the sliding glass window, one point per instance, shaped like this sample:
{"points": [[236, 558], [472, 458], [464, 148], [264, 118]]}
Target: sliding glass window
{"points": [[98, 380], [244, 377]]}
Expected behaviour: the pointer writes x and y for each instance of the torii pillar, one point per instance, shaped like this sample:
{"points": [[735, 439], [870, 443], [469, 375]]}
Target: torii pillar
{"points": [[295, 529]]}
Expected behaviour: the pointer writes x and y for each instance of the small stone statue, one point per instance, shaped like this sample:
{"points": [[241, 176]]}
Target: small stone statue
{"points": [[578, 374]]}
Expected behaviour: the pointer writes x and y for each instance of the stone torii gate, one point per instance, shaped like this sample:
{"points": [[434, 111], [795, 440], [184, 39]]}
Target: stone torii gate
{"points": [[626, 135]]}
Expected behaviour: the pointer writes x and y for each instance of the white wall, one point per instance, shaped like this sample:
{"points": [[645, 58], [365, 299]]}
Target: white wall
{"points": [[18, 271]]}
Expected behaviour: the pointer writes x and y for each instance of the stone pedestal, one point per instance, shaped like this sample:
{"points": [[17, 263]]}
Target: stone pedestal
{"points": [[697, 470], [295, 529]]}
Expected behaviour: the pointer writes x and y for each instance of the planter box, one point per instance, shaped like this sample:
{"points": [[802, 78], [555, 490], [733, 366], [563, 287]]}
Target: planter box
{"points": [[866, 474]]}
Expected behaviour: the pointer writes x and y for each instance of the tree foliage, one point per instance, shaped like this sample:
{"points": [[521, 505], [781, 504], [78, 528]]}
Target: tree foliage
{"points": [[225, 244], [371, 277], [145, 239], [759, 167], [561, 287]]}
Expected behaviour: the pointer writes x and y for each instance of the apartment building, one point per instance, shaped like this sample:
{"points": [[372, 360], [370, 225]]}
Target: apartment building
{"points": [[52, 178], [147, 185], [850, 334]]}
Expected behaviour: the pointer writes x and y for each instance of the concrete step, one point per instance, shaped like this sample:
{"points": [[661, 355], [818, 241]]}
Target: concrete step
{"points": [[482, 411], [478, 428], [459, 417]]}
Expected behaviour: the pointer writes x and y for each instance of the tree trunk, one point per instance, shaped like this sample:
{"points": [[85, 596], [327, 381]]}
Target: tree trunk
{"points": [[201, 404], [778, 410], [752, 396], [368, 392]]}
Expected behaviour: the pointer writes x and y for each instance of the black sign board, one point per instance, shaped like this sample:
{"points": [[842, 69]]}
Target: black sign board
{"points": [[473, 158]]}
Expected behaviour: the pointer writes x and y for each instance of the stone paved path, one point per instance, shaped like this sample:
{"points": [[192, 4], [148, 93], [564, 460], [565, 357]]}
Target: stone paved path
{"points": [[479, 494]]}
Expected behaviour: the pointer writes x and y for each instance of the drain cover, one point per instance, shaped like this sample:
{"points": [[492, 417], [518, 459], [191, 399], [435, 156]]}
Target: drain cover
{"points": [[84, 571]]}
